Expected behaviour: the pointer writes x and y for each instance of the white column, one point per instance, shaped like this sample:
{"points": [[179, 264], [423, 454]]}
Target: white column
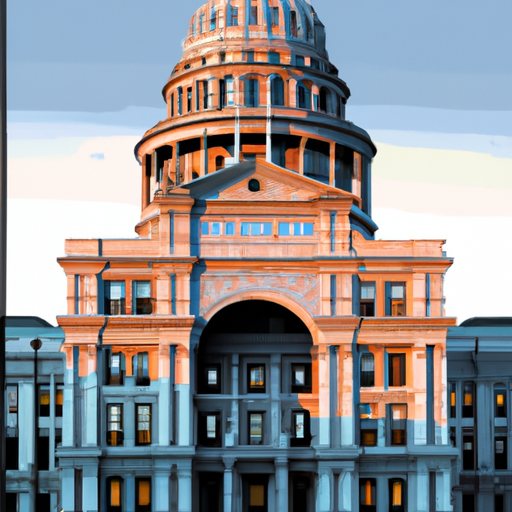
{"points": [[163, 412], [228, 485], [345, 484], [281, 466], [185, 490], [323, 388], [68, 413], [324, 491], [91, 410], [26, 425], [90, 488], [161, 492], [67, 482], [183, 430]]}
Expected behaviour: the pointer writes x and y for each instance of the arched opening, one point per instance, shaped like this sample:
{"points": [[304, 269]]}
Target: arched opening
{"points": [[219, 162], [277, 91], [325, 100], [254, 351]]}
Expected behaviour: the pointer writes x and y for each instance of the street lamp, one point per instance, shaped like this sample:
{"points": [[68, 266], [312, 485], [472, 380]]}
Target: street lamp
{"points": [[36, 345]]}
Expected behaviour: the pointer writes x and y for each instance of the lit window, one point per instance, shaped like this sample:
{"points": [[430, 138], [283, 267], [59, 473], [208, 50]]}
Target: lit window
{"points": [[468, 404], [116, 369], [396, 369], [209, 429], [396, 495], [398, 424], [140, 363], [115, 435], [143, 424], [453, 399], [367, 300], [44, 401], [256, 496], [114, 298], [367, 495], [367, 370], [500, 401], [368, 425], [256, 378], [395, 299], [141, 298], [115, 494], [142, 495], [59, 401], [301, 435], [256, 427], [211, 381], [189, 99], [301, 378]]}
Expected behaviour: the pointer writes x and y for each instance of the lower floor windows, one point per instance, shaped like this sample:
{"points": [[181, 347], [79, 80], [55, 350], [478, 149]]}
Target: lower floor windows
{"points": [[142, 495], [115, 425], [210, 429], [398, 420], [11, 499], [500, 449], [301, 435], [468, 449], [368, 425], [114, 494], [368, 488], [396, 495], [367, 495]]}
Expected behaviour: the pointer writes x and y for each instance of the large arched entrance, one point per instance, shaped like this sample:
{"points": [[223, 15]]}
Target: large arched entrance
{"points": [[254, 373]]}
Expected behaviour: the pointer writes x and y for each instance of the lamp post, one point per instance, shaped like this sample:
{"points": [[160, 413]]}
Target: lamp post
{"points": [[36, 345]]}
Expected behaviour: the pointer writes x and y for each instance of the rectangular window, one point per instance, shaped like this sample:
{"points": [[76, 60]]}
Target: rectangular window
{"points": [[398, 425], [140, 363], [500, 402], [114, 298], [116, 368], [141, 298], [213, 18], [500, 448], [396, 495], [284, 229], [11, 431], [293, 24], [367, 300], [274, 57], [367, 495], [44, 401], [256, 428], [189, 99], [256, 378], [256, 228], [205, 228], [210, 429], [59, 401], [274, 13], [216, 229], [230, 228], [12, 406], [367, 370], [369, 426], [301, 435], [301, 378], [468, 405], [115, 435], [302, 228], [253, 20], [395, 299], [229, 91], [211, 379], [299, 60], [115, 492], [201, 23], [252, 92], [453, 399], [142, 495], [234, 16], [172, 104], [143, 424], [396, 369], [468, 449]]}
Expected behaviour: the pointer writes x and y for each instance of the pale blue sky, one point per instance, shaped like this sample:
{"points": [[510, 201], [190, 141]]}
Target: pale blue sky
{"points": [[99, 55]]}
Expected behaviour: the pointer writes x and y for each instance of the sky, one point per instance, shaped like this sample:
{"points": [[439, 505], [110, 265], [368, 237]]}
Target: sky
{"points": [[430, 82]]}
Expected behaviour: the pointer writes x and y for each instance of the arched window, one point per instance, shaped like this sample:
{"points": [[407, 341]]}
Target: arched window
{"points": [[325, 100], [219, 162], [303, 96], [396, 495], [367, 371], [252, 92], [277, 91], [114, 494], [367, 495]]}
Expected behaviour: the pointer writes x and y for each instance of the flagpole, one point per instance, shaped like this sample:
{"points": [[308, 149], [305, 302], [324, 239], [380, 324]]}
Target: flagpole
{"points": [[3, 237]]}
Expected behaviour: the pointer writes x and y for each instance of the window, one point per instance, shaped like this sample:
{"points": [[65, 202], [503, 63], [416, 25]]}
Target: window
{"points": [[211, 379], [249, 55], [116, 369], [115, 434], [230, 228], [468, 449], [274, 14], [296, 229], [500, 401], [252, 92], [256, 427], [140, 363], [11, 501], [114, 494], [114, 298], [396, 369], [398, 424], [143, 424], [369, 427], [294, 32], [299, 60], [301, 378], [205, 95], [395, 299], [234, 16], [453, 399], [367, 495], [468, 502], [189, 99], [141, 298], [367, 301], [277, 91], [229, 91], [396, 495], [142, 495], [256, 378], [367, 370], [59, 401], [303, 97], [201, 23], [171, 101], [210, 429], [11, 431], [256, 228], [44, 401], [468, 405], [253, 19], [301, 435], [213, 18], [274, 57], [500, 448]]}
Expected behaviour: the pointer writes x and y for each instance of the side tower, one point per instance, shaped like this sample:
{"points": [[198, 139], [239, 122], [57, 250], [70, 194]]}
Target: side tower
{"points": [[255, 349]]}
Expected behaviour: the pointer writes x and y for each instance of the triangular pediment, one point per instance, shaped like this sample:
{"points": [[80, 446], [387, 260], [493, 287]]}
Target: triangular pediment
{"points": [[275, 184]]}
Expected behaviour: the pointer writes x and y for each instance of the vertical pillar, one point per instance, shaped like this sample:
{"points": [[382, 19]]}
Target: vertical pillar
{"points": [[161, 491], [67, 482], [430, 395], [323, 396], [129, 483], [332, 163], [185, 490], [302, 148], [228, 484], [281, 466], [90, 487], [324, 495]]}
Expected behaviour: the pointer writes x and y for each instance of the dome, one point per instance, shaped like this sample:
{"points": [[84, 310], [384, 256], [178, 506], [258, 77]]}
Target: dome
{"points": [[241, 21]]}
